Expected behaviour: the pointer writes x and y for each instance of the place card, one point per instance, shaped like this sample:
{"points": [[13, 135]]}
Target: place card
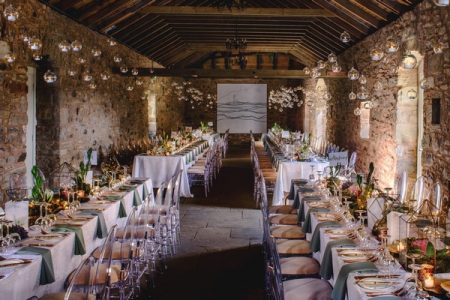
{"points": [[338, 158]]}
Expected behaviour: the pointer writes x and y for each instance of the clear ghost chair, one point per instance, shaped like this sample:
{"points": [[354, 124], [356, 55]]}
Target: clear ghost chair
{"points": [[417, 193], [437, 199], [402, 186]]}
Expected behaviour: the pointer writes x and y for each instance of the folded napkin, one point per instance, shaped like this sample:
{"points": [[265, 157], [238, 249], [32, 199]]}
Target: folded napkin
{"points": [[47, 272], [80, 246], [326, 268], [307, 223], [102, 231], [122, 211], [315, 239], [137, 198], [340, 286], [301, 206], [144, 191]]}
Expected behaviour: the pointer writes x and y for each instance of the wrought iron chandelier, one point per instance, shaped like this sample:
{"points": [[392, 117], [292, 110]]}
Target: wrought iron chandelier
{"points": [[236, 42]]}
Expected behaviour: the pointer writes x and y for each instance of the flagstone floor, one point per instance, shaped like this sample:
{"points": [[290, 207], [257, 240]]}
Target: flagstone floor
{"points": [[220, 255]]}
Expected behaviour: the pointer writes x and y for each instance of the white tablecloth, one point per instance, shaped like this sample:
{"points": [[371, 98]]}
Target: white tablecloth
{"points": [[22, 282], [293, 170], [161, 168]]}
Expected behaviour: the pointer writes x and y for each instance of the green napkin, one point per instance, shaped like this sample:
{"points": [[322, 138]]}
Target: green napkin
{"points": [[326, 268], [47, 272], [340, 286], [102, 231], [122, 210], [315, 239], [301, 206], [307, 223], [144, 191], [136, 199], [80, 246]]}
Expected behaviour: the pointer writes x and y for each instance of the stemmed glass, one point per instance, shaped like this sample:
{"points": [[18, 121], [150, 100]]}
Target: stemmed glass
{"points": [[361, 216], [311, 175], [44, 221]]}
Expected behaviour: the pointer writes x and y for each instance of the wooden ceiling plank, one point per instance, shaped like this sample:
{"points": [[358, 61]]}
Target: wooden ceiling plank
{"points": [[250, 11], [355, 11], [112, 21], [372, 8], [140, 28], [149, 35]]}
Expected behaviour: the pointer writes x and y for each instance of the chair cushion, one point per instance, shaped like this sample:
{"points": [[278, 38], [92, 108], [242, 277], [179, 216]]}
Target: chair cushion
{"points": [[282, 209], [293, 247], [120, 251], [139, 232], [307, 289], [284, 219], [83, 277], [299, 265], [73, 296], [287, 232]]}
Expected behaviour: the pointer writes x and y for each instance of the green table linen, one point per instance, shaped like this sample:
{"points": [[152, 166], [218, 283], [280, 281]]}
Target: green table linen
{"points": [[136, 198], [307, 223], [80, 245], [340, 286], [326, 267], [102, 230], [315, 238], [301, 206], [47, 272]]}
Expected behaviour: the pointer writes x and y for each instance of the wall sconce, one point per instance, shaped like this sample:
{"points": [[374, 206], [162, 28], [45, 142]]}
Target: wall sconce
{"points": [[411, 94]]}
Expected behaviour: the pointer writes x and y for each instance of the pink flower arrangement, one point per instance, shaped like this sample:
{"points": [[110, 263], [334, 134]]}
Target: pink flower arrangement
{"points": [[421, 245], [354, 190]]}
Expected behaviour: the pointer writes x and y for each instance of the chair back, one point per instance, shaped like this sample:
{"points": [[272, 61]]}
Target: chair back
{"points": [[437, 196], [418, 192], [402, 187]]}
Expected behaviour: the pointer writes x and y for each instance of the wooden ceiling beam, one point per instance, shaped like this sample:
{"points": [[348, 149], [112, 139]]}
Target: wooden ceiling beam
{"points": [[148, 25], [250, 48], [105, 12], [227, 73], [373, 9], [250, 11]]}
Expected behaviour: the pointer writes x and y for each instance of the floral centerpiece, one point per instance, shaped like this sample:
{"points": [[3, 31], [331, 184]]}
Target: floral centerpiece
{"points": [[333, 181], [82, 187], [365, 188]]}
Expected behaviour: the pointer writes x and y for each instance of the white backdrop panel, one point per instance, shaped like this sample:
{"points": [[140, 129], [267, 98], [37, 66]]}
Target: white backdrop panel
{"points": [[241, 108]]}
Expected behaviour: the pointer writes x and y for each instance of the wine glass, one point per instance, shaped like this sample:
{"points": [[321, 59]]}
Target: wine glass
{"points": [[311, 175]]}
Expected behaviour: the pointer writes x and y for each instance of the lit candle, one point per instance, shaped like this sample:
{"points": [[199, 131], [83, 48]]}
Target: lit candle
{"points": [[428, 281], [400, 246]]}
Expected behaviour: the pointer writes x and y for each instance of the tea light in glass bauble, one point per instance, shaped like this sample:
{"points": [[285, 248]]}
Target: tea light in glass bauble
{"points": [[321, 65], [64, 46], [409, 61], [87, 76], [71, 72], [130, 87], [139, 82], [332, 58], [306, 70], [336, 68], [315, 73], [345, 37], [112, 43], [11, 13], [76, 46], [50, 76], [105, 76], [362, 79], [376, 54], [352, 95], [353, 74], [357, 111], [391, 45], [124, 69], [10, 57], [82, 60], [117, 59], [438, 47], [92, 85], [134, 72], [96, 52], [37, 56], [35, 44]]}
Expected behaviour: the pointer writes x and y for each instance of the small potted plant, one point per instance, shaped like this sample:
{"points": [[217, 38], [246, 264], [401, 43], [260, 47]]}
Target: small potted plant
{"points": [[83, 188]]}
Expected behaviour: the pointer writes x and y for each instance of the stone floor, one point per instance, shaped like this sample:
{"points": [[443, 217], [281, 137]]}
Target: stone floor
{"points": [[220, 253]]}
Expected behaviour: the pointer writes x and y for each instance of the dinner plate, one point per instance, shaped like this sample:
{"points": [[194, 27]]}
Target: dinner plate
{"points": [[337, 231], [379, 284], [352, 253], [13, 262]]}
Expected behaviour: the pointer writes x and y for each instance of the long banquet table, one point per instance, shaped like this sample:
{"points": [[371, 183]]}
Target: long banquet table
{"points": [[21, 282], [354, 291], [162, 168], [289, 170]]}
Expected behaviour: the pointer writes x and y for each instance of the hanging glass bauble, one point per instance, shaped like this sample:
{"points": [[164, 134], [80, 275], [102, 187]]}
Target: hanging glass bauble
{"points": [[112, 43], [332, 58], [81, 60], [76, 46], [309, 103], [139, 82], [72, 72], [426, 83], [345, 37], [438, 47], [336, 68], [124, 69], [105, 76], [306, 70], [353, 74], [35, 44], [11, 13], [321, 65], [134, 72], [411, 94], [87, 76], [391, 45], [37, 56], [368, 104], [92, 85], [441, 2], [362, 94], [10, 57], [352, 95], [64, 46], [299, 103], [50, 76], [378, 86], [315, 73], [327, 96], [117, 59], [362, 79], [409, 61], [130, 88], [96, 52], [376, 54], [357, 111], [25, 38]]}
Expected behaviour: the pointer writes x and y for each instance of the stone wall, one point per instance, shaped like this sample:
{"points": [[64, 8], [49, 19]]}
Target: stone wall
{"points": [[193, 116], [391, 145], [71, 116]]}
